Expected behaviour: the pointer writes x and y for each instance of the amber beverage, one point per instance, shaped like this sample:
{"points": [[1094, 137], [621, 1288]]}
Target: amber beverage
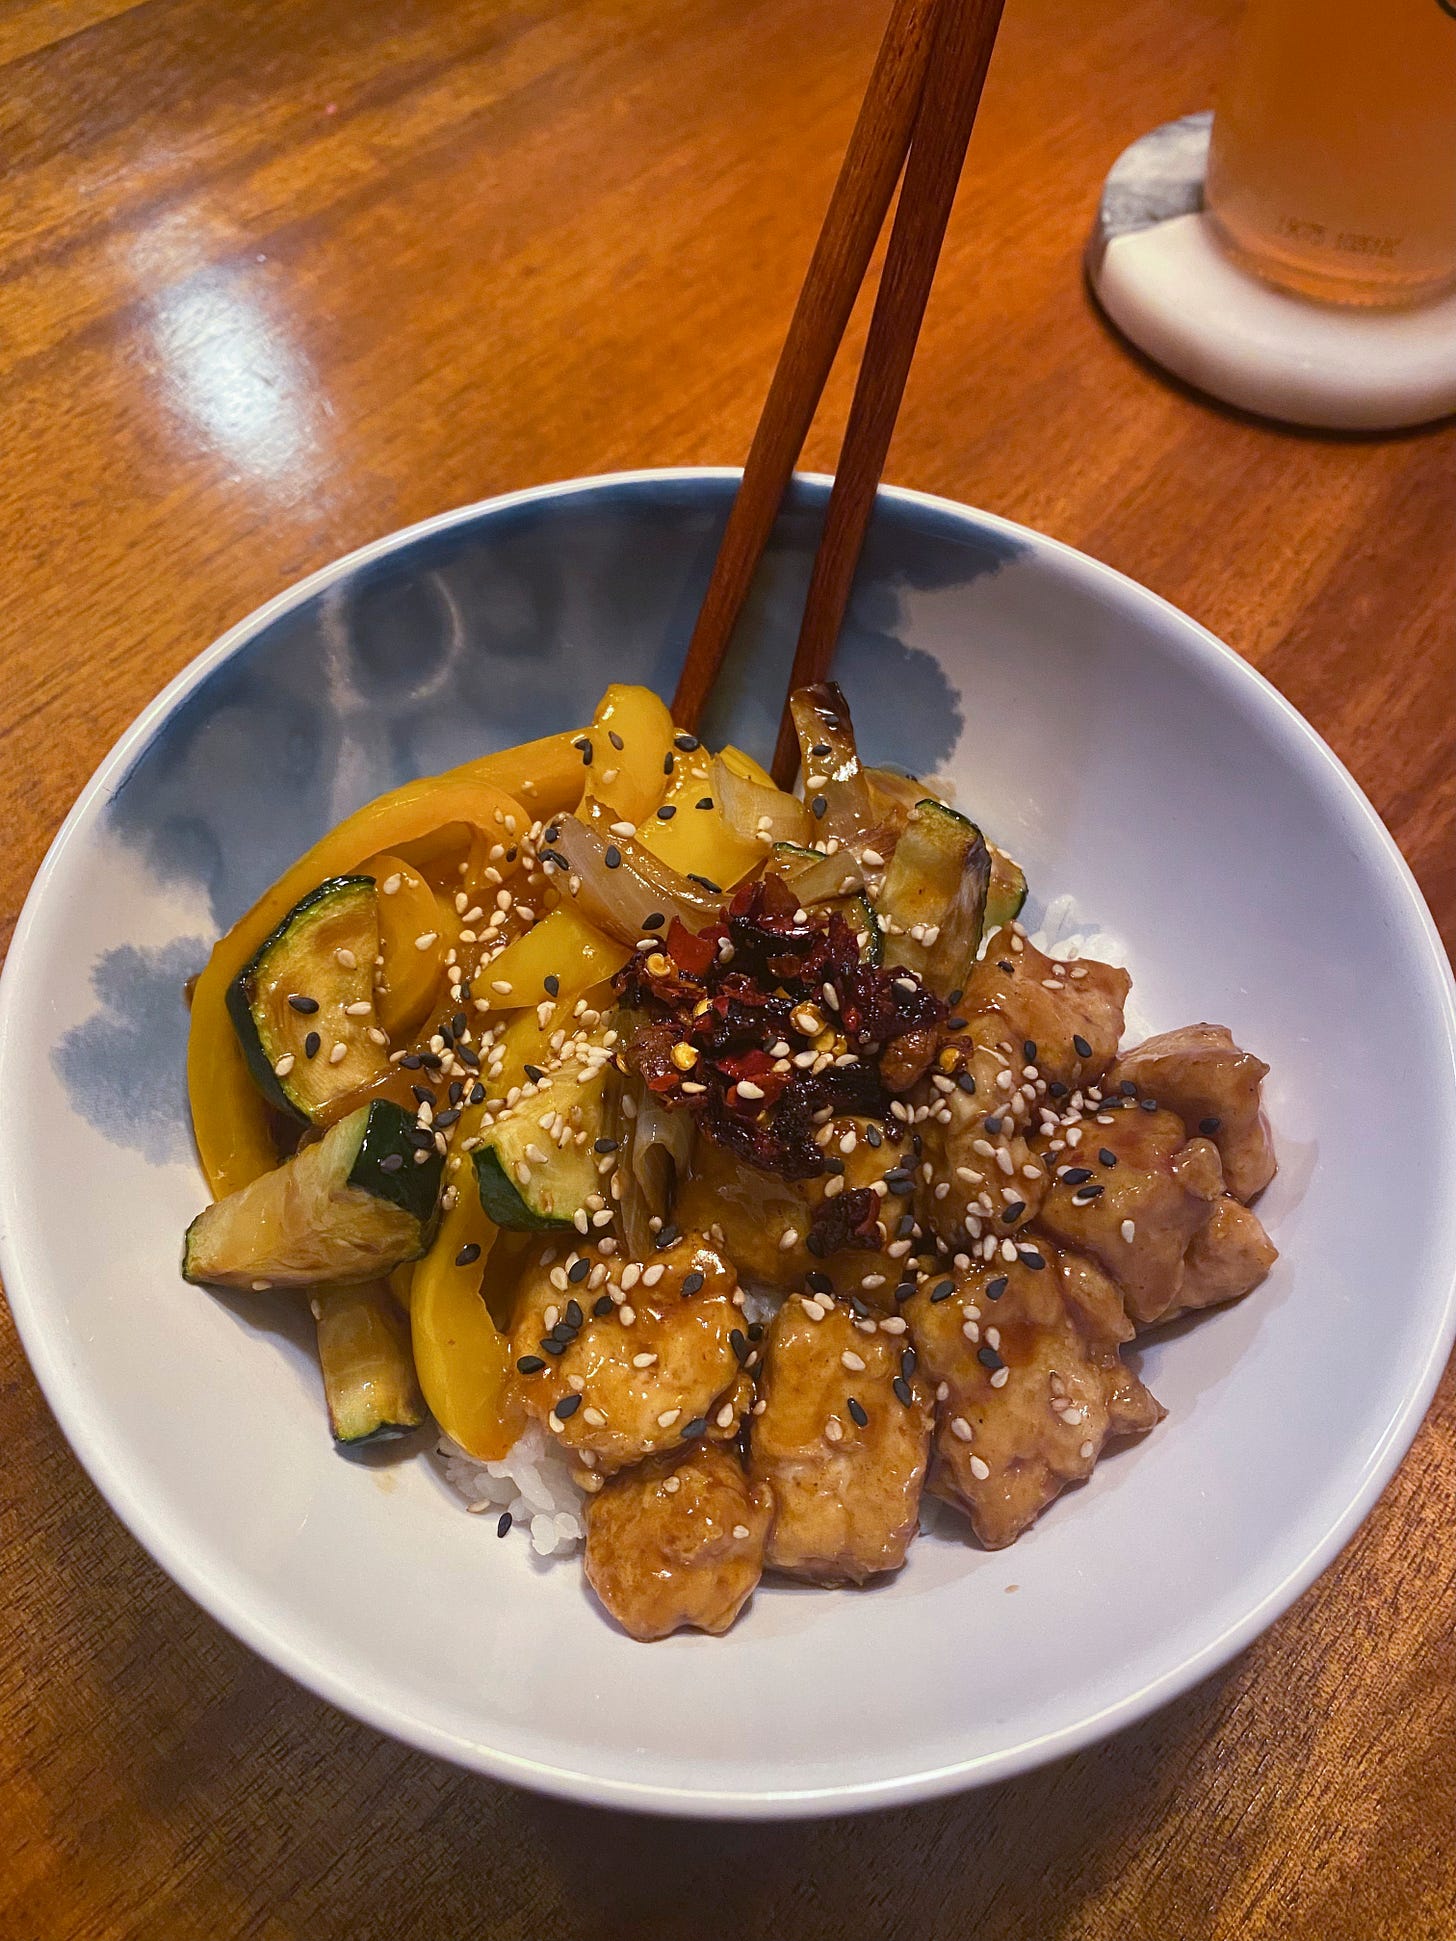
{"points": [[1332, 170]]}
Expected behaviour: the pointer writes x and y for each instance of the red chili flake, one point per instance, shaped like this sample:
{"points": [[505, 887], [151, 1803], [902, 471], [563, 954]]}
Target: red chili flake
{"points": [[730, 1013]]}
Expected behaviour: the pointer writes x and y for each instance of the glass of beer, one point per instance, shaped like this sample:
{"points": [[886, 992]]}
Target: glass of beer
{"points": [[1332, 168]]}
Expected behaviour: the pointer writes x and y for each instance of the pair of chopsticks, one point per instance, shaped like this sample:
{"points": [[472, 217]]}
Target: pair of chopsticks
{"points": [[916, 119]]}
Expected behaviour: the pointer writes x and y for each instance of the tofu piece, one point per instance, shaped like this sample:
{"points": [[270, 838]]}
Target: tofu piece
{"points": [[1052, 1006], [842, 1448], [1030, 1383], [677, 1542], [633, 1381], [1216, 1089], [1226, 1259]]}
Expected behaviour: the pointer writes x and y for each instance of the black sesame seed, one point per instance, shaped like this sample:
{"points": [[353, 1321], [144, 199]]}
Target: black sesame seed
{"points": [[307, 1005], [616, 740], [553, 834], [1210, 1125], [534, 1073], [1128, 1089], [692, 1430], [942, 1290], [1075, 1175], [820, 1283], [833, 1163], [955, 1024], [857, 1413], [422, 1094], [467, 1057], [818, 806], [457, 1091], [907, 1362], [551, 1345], [666, 812], [705, 802], [576, 1273], [467, 1255], [988, 1358], [860, 1308], [1148, 1105], [551, 984], [739, 1344], [586, 753], [667, 1236], [902, 1390], [458, 1024], [311, 1045], [654, 920], [873, 1136], [603, 1304], [967, 1082], [477, 1093], [904, 1291], [1085, 1195], [555, 857], [1029, 1257], [755, 1331], [707, 883], [820, 748], [613, 857], [1003, 965], [1107, 1156], [391, 1163], [604, 1145], [411, 1061], [689, 744], [431, 1061], [565, 1332], [1028, 1049], [1012, 1212], [905, 1226], [996, 1288], [567, 1406], [421, 1138], [503, 1523], [1080, 1045], [1056, 1089], [573, 1312], [993, 1124], [530, 1364], [444, 1120]]}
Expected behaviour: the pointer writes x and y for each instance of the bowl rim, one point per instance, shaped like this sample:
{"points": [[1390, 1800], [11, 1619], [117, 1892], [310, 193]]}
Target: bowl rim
{"points": [[1299, 743]]}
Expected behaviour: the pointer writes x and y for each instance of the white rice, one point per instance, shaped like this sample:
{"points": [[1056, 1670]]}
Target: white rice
{"points": [[533, 1481], [1068, 936]]}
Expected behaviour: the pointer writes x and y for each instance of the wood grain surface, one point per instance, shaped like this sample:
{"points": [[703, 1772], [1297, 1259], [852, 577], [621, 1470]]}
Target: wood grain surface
{"points": [[278, 276]]}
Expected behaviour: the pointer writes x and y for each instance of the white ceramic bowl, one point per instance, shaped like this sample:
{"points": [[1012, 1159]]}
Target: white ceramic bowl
{"points": [[1124, 756]]}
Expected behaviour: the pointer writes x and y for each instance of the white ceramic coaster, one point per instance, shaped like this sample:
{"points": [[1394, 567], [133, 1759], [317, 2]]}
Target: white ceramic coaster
{"points": [[1159, 273]]}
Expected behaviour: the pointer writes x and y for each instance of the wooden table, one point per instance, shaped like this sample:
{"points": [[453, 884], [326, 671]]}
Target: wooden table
{"points": [[279, 277]]}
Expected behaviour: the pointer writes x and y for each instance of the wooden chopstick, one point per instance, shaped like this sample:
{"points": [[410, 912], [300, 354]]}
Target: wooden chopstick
{"points": [[852, 224], [965, 33]]}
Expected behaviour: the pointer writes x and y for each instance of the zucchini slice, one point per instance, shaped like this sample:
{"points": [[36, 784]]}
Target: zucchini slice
{"points": [[815, 877], [525, 1179], [369, 1372], [859, 913], [349, 1207], [1007, 892], [298, 1000], [934, 895]]}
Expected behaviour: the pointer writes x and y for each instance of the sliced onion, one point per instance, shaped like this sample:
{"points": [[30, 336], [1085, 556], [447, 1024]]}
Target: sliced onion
{"points": [[620, 899], [815, 878], [754, 812], [821, 721], [657, 1144]]}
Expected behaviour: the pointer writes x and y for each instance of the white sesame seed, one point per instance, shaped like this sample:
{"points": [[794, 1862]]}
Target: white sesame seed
{"points": [[338, 1054], [1129, 1230], [740, 1531], [980, 1468], [284, 1065], [748, 1090], [852, 1361], [788, 1239], [961, 1428], [653, 1274], [1000, 1378], [1085, 1452], [667, 1418], [523, 1172], [971, 1330], [724, 1417], [261, 1286], [376, 1036], [834, 1429]]}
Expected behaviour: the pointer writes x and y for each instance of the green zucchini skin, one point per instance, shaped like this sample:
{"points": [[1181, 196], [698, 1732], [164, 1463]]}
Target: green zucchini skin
{"points": [[338, 1211], [1007, 892], [370, 1385], [557, 1188], [939, 875], [501, 1201], [315, 974]]}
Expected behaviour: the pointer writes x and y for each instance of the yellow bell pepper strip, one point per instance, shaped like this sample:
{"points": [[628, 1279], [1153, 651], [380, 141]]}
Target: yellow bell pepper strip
{"points": [[562, 945], [461, 1355], [409, 975], [229, 1119], [696, 841], [547, 776], [746, 766], [631, 738]]}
